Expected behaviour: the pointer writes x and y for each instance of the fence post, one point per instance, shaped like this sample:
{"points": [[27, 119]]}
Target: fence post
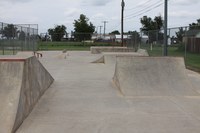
{"points": [[185, 44]]}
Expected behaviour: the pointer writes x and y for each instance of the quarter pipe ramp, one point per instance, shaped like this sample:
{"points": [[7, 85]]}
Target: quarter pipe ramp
{"points": [[152, 76]]}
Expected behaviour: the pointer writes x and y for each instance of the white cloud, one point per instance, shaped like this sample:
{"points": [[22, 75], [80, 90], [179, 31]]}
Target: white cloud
{"points": [[185, 2], [48, 13], [72, 12], [183, 14], [96, 2]]}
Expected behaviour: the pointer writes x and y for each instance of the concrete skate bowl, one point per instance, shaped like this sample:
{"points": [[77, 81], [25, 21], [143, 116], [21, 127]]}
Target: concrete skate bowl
{"points": [[152, 76], [110, 57], [99, 50], [23, 81]]}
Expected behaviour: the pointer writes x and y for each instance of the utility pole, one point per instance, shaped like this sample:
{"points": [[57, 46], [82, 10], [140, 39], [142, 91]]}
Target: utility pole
{"points": [[165, 28], [104, 28], [100, 30], [97, 29], [122, 23]]}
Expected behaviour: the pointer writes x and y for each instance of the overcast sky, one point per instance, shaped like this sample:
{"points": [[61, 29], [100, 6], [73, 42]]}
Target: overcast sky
{"points": [[48, 13]]}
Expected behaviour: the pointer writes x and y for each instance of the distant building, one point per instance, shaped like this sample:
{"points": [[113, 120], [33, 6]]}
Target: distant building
{"points": [[193, 33], [192, 41]]}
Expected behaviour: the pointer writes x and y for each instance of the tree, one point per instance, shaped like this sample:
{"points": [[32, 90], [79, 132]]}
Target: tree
{"points": [[22, 35], [57, 33], [115, 32], [152, 27], [195, 26], [83, 28], [180, 34], [10, 31], [135, 38]]}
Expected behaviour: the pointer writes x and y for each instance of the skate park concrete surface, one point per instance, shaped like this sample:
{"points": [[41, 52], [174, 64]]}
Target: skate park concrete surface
{"points": [[23, 81], [84, 99]]}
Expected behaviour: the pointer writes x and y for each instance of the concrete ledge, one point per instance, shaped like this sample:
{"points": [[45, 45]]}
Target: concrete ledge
{"points": [[110, 57], [98, 50]]}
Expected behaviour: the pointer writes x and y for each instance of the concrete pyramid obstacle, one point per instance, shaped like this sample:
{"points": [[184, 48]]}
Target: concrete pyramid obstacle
{"points": [[23, 81]]}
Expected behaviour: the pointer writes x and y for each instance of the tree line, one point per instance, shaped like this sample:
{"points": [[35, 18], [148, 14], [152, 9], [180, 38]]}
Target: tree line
{"points": [[83, 30]]}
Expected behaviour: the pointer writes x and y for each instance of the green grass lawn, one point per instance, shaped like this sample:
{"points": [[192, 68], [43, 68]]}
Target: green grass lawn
{"points": [[72, 46], [7, 52], [69, 48]]}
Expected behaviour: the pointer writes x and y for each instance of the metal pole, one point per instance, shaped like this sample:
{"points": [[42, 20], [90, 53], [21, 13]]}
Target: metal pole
{"points": [[104, 34], [100, 31], [122, 23], [185, 43], [165, 28], [2, 42]]}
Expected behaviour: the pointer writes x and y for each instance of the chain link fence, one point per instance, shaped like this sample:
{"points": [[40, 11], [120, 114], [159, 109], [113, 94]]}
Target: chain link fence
{"points": [[182, 42], [21, 37], [185, 39]]}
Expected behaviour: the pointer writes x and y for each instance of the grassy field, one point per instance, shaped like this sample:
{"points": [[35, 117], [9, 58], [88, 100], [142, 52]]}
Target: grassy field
{"points": [[71, 46], [7, 52]]}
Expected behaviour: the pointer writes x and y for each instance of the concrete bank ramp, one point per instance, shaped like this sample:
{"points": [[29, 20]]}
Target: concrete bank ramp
{"points": [[23, 81], [152, 76], [98, 50], [110, 57]]}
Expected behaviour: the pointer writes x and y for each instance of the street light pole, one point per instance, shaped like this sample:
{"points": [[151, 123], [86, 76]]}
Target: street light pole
{"points": [[165, 28], [104, 34], [122, 23]]}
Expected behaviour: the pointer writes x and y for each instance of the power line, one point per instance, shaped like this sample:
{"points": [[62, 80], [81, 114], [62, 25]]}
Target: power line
{"points": [[115, 27], [138, 6], [145, 8], [145, 11]]}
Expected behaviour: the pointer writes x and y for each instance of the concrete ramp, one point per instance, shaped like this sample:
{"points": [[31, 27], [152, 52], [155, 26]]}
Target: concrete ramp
{"points": [[23, 81], [152, 76], [110, 57]]}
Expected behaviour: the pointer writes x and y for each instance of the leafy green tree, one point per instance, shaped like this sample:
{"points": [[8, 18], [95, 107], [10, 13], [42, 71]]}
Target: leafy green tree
{"points": [[115, 32], [195, 26], [10, 31], [22, 35], [83, 28], [180, 34], [57, 33], [134, 34], [152, 27]]}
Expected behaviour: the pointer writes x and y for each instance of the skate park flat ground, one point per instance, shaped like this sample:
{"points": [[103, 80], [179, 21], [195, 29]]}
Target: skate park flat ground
{"points": [[84, 99]]}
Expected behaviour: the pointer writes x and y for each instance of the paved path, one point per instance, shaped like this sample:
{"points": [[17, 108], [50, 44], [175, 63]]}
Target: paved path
{"points": [[83, 99]]}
